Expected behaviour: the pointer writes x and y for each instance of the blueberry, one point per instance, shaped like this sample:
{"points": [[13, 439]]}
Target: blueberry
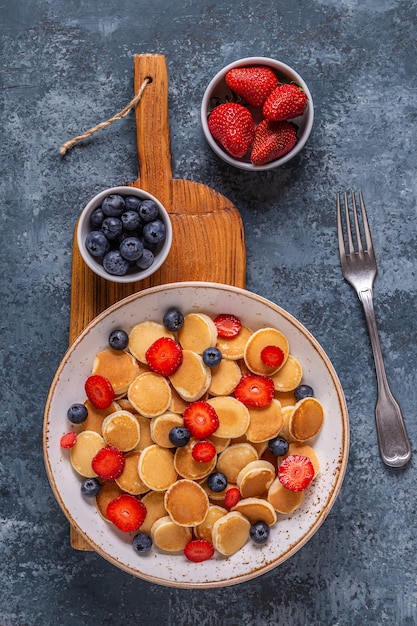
{"points": [[132, 203], [97, 243], [131, 248], [259, 532], [118, 339], [77, 413], [115, 264], [142, 543], [155, 231], [130, 220], [145, 260], [173, 320], [217, 481], [113, 205], [179, 436], [112, 227], [303, 391], [147, 244], [148, 210], [90, 487], [212, 357], [97, 217], [278, 446]]}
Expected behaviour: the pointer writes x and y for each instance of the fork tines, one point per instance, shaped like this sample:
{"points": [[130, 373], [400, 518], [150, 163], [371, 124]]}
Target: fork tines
{"points": [[360, 220]]}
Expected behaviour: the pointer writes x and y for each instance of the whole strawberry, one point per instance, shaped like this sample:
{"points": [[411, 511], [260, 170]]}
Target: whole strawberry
{"points": [[253, 84], [284, 103], [232, 126], [272, 141]]}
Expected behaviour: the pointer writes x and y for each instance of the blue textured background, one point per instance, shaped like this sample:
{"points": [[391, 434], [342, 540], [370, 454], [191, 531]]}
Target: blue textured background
{"points": [[65, 66]]}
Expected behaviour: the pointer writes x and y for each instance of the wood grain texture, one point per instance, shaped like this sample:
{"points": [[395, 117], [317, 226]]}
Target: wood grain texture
{"points": [[208, 237]]}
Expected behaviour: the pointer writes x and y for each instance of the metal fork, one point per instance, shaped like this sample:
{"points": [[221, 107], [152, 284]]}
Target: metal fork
{"points": [[359, 269]]}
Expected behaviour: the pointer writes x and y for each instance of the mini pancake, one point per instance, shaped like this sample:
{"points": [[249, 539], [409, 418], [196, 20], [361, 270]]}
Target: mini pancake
{"points": [[143, 335], [118, 366], [161, 427], [155, 509], [304, 450], [233, 348], [256, 510], [219, 443], [204, 530], [82, 453], [197, 333], [192, 378], [178, 404], [259, 340], [130, 480], [289, 376], [224, 378], [287, 398], [150, 394], [265, 422], [256, 478], [95, 417], [230, 532], [259, 447], [187, 503], [232, 460], [145, 432], [188, 467], [306, 420], [156, 467], [168, 536], [233, 416], [282, 499], [121, 430], [108, 492], [286, 412]]}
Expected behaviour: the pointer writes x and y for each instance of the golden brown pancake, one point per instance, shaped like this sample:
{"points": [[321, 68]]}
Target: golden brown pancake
{"points": [[289, 376], [234, 458], [118, 366], [265, 422], [224, 378], [233, 348], [155, 509], [306, 420], [150, 394], [187, 503], [230, 532], [82, 453], [259, 340], [255, 479], [233, 416], [143, 335], [256, 510], [197, 333], [192, 378], [156, 467], [121, 430], [283, 500], [130, 480], [168, 536]]}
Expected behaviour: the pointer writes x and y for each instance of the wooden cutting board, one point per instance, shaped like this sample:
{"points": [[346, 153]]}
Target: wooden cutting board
{"points": [[208, 236]]}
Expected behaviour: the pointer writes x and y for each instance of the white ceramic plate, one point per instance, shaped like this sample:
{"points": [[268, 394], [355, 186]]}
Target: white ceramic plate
{"points": [[291, 532]]}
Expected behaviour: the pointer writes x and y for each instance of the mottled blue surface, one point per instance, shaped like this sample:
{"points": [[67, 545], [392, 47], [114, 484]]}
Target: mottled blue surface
{"points": [[66, 65]]}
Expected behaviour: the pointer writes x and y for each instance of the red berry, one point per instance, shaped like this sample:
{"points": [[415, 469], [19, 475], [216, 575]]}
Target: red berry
{"points": [[232, 126], [126, 512], [284, 103], [201, 419], [99, 391], [255, 390], [296, 472], [272, 356], [232, 497], [253, 83], [164, 356], [273, 140], [198, 550], [108, 463], [68, 440], [203, 451], [228, 325]]}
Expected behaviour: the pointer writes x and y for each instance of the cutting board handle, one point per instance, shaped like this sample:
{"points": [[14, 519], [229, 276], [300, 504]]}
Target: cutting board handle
{"points": [[152, 126]]}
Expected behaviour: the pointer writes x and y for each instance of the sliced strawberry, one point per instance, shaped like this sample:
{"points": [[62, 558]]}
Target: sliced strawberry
{"points": [[228, 325], [203, 451], [99, 391], [108, 463], [126, 512], [198, 550], [68, 440], [232, 497], [164, 356], [255, 390], [272, 356], [201, 419], [296, 472]]}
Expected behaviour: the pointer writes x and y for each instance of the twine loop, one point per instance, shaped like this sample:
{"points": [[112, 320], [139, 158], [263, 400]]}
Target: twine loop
{"points": [[118, 116]]}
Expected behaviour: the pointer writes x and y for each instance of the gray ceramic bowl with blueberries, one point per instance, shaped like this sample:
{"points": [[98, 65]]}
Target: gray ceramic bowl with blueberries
{"points": [[124, 234]]}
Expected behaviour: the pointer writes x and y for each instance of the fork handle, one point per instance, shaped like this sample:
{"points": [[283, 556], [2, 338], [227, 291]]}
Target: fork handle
{"points": [[394, 444]]}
